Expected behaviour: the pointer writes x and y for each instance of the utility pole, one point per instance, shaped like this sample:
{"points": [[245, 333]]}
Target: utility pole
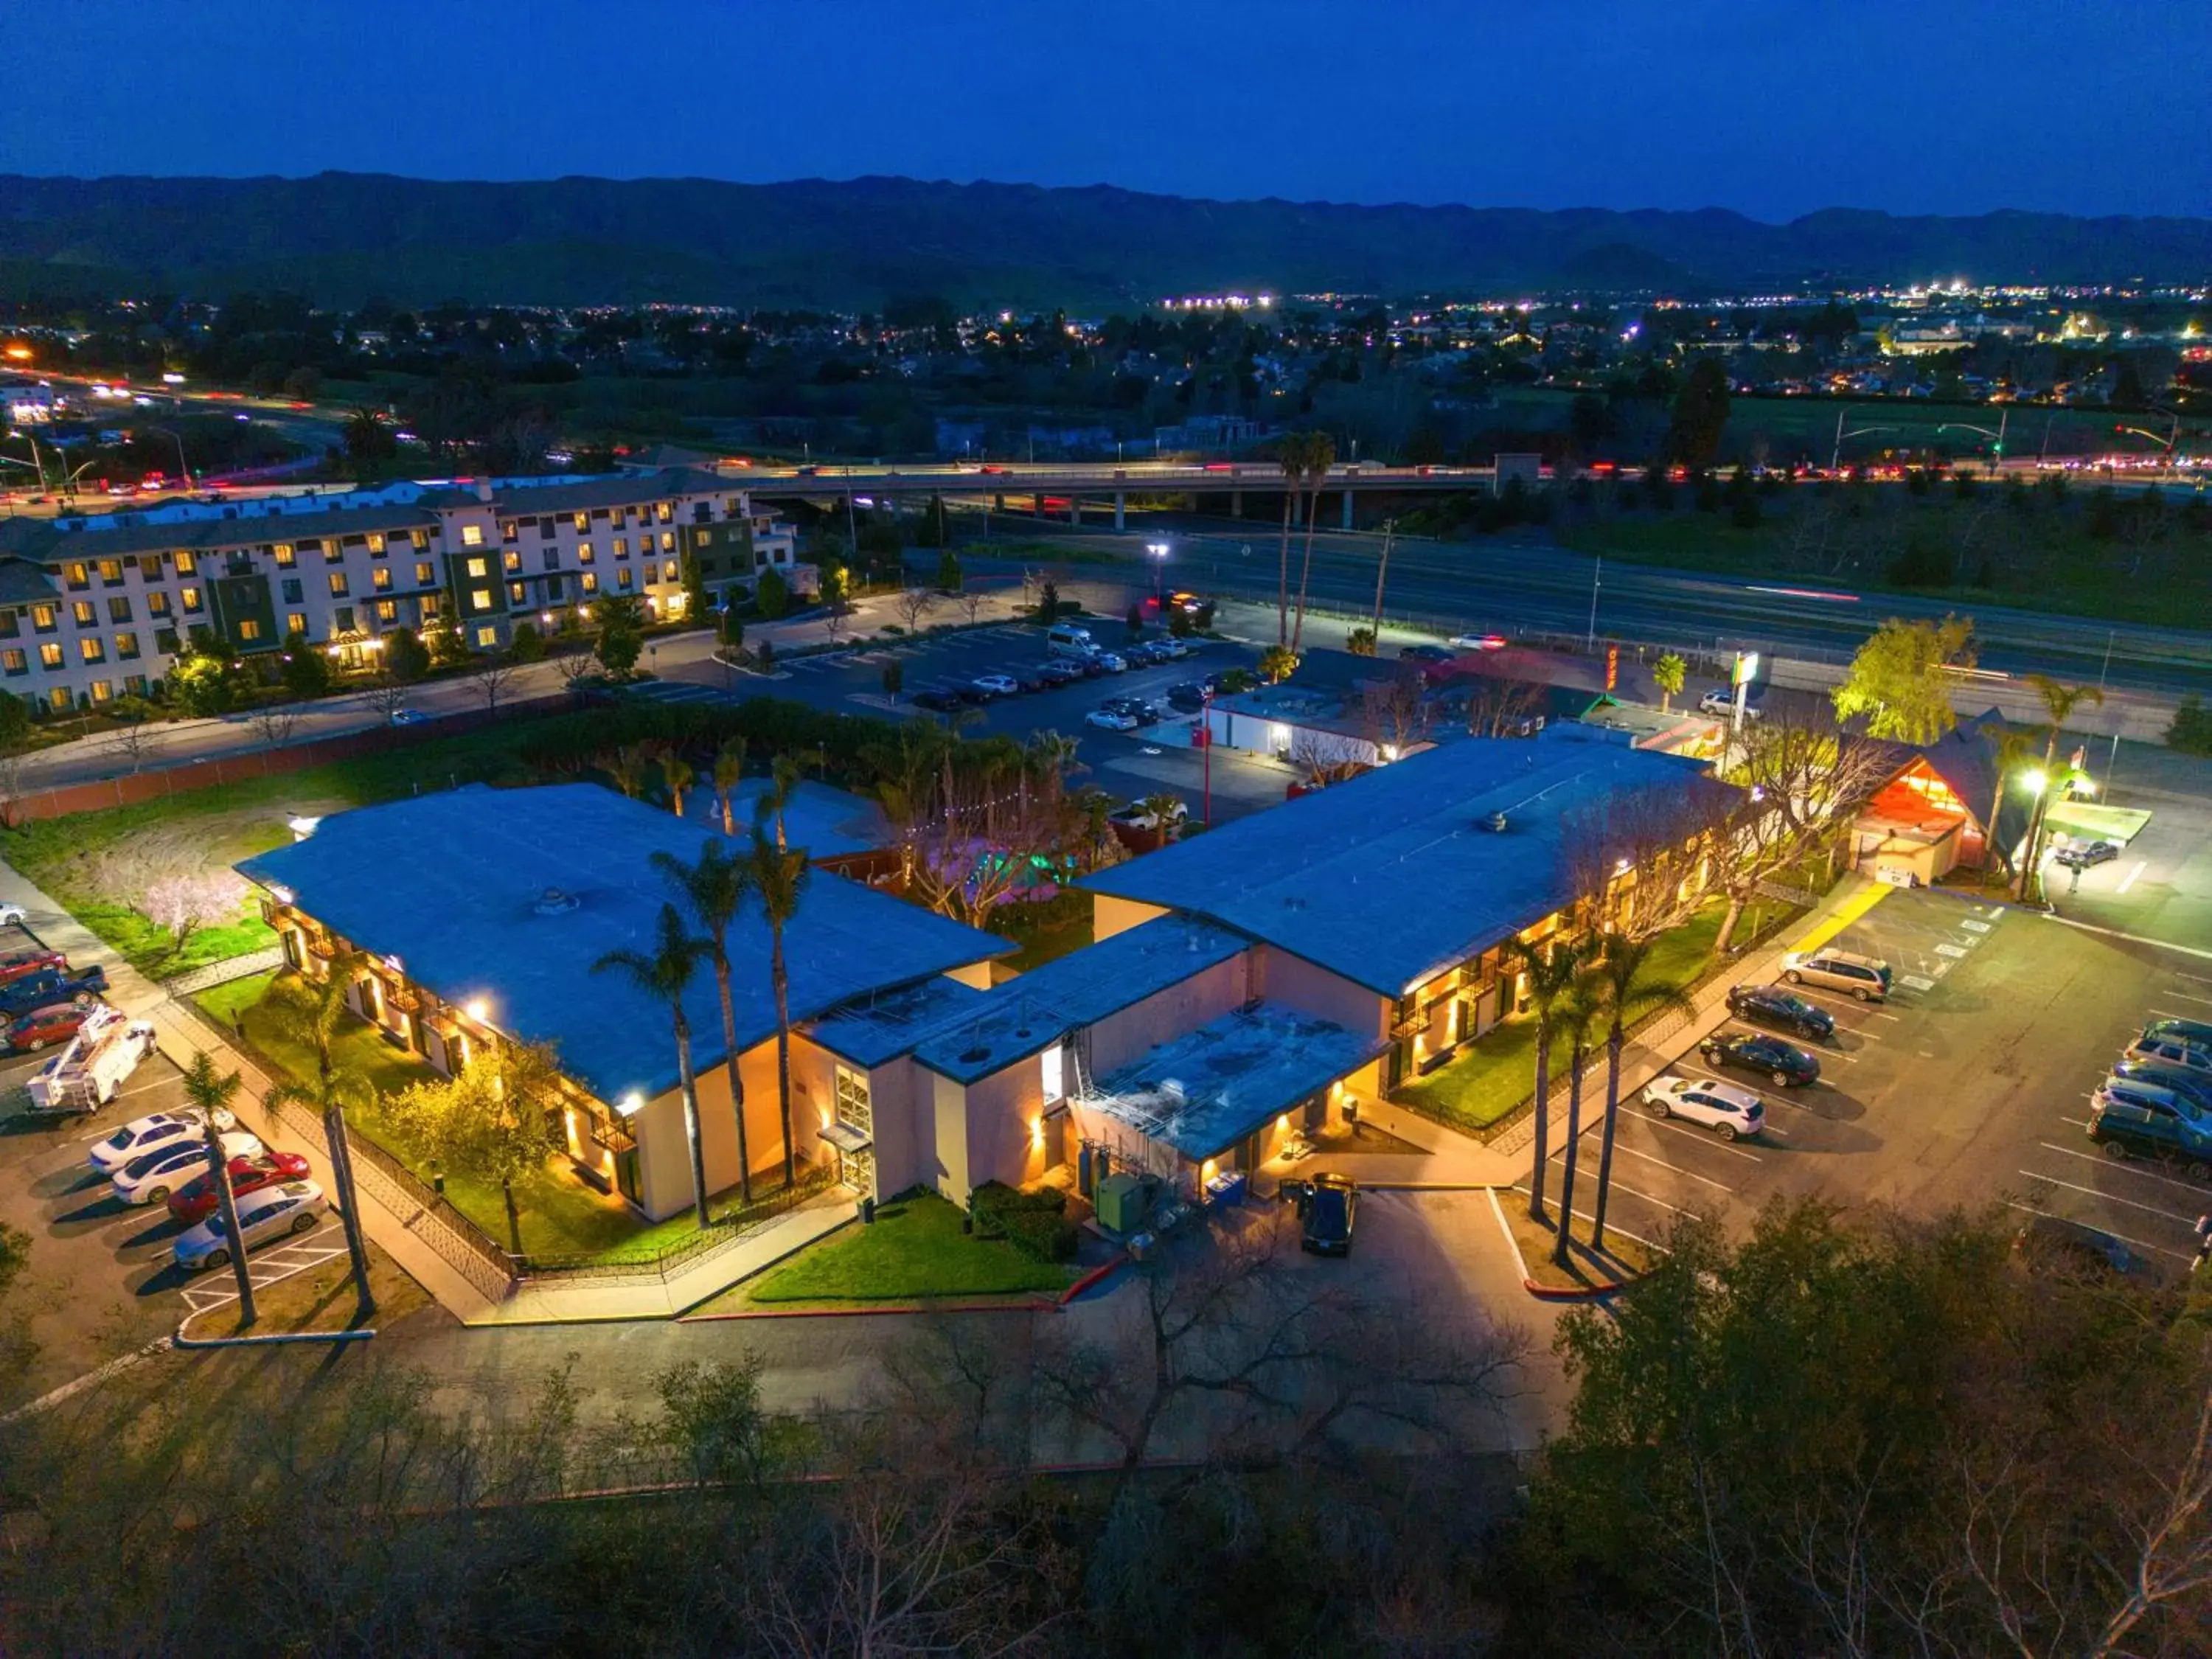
{"points": [[1382, 569], [1597, 569]]}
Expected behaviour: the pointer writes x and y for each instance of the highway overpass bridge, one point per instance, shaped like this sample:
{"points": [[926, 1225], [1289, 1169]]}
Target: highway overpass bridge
{"points": [[1066, 490]]}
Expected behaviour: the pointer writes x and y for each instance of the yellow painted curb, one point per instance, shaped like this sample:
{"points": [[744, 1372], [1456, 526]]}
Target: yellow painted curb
{"points": [[1851, 909]]}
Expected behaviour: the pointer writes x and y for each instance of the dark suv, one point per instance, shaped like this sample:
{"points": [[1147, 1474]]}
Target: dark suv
{"points": [[2138, 1120], [1330, 1207]]}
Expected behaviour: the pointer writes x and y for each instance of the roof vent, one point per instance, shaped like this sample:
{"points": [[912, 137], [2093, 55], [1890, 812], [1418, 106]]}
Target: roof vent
{"points": [[1495, 823], [553, 902], [972, 1056]]}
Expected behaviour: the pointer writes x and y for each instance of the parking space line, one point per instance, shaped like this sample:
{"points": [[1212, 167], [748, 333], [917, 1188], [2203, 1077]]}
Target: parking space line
{"points": [[2128, 1169], [1649, 1157], [2141, 864], [2140, 1243], [2186, 996], [2111, 1198]]}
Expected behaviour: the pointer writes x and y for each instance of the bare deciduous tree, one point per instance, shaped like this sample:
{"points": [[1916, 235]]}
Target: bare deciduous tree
{"points": [[274, 723], [913, 603], [491, 675]]}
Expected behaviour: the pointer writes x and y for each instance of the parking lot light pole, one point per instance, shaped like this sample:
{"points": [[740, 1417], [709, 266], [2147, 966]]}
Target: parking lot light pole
{"points": [[1159, 552]]}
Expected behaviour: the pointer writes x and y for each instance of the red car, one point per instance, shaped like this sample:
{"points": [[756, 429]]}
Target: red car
{"points": [[41, 1027], [17, 964], [196, 1201]]}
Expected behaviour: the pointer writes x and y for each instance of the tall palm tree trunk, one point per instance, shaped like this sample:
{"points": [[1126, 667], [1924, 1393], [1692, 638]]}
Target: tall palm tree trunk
{"points": [[1574, 1146], [782, 983], [341, 1152], [1543, 1124], [226, 1201], [1305, 570], [737, 1081], [1283, 567], [691, 1115], [1614, 1040], [341, 1156]]}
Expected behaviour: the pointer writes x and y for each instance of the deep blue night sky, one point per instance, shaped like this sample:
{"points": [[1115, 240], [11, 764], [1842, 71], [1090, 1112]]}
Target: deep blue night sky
{"points": [[1939, 106]]}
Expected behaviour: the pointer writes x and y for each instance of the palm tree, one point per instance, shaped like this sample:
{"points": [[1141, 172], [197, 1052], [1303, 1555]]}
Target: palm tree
{"points": [[211, 1093], [779, 875], [2009, 752], [627, 769], [783, 783], [1669, 674], [713, 890], [677, 774], [1321, 455], [1626, 996], [1551, 968], [664, 974], [2059, 701], [1576, 1013], [335, 1088], [729, 768], [310, 1013], [1290, 456]]}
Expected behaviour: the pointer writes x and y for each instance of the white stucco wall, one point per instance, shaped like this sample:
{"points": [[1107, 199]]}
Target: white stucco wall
{"points": [[1282, 978]]}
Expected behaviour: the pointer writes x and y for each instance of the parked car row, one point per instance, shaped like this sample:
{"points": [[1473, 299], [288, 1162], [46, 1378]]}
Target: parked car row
{"points": [[2156, 1101], [162, 1158], [1058, 670]]}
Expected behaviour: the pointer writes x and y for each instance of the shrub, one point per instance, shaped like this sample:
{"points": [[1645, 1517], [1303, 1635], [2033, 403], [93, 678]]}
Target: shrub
{"points": [[2191, 731], [1035, 1224]]}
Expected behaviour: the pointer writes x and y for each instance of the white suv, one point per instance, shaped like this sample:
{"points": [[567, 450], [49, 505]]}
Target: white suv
{"points": [[1725, 1108]]}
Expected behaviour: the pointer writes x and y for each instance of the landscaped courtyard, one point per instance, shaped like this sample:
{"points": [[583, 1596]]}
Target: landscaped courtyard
{"points": [[562, 1214]]}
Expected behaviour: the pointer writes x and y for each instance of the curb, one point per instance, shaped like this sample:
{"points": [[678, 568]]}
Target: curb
{"points": [[1097, 1276], [1545, 1292], [880, 1311]]}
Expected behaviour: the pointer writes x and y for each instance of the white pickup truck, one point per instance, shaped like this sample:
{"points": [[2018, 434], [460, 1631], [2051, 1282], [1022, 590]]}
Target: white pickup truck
{"points": [[84, 1077]]}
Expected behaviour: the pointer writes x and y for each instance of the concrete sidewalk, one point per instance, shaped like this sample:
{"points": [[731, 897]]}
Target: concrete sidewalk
{"points": [[1451, 1159]]}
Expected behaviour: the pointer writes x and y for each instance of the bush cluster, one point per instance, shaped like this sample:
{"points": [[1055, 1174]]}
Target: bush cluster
{"points": [[1035, 1224]]}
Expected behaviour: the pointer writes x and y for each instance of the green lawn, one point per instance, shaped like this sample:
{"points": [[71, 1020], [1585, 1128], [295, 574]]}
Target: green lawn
{"points": [[1490, 1076], [1044, 932], [560, 1215], [1481, 1083], [93, 864], [913, 1249]]}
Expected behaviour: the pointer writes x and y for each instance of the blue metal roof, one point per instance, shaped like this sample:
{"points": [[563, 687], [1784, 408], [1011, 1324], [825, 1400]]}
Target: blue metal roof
{"points": [[830, 823], [1208, 1089], [1395, 875], [1035, 1010], [885, 1024], [450, 884]]}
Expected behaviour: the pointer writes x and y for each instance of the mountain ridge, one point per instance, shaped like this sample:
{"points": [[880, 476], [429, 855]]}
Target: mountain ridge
{"points": [[849, 244]]}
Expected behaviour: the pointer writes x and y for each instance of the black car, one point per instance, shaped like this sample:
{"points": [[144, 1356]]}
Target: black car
{"points": [[1425, 653], [1783, 1064], [1032, 681], [1328, 1212], [1060, 671], [1189, 696], [49, 986], [2051, 1243], [943, 702], [1770, 1005], [2085, 855]]}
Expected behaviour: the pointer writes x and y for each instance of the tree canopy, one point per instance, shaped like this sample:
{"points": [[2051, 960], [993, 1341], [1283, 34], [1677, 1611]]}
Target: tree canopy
{"points": [[1900, 681]]}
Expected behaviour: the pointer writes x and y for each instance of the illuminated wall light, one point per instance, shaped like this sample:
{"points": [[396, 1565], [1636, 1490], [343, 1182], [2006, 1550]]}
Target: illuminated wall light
{"points": [[630, 1105], [1036, 1134], [476, 1008]]}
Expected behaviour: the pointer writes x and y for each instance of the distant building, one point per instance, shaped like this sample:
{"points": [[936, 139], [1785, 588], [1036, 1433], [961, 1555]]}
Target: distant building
{"points": [[95, 606]]}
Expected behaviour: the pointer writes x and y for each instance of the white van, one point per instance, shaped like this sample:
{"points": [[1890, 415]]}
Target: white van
{"points": [[1063, 641]]}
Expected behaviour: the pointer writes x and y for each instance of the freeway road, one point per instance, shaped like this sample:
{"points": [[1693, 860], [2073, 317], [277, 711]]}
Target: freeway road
{"points": [[1522, 584]]}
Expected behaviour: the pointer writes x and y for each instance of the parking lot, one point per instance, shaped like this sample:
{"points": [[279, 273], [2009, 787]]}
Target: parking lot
{"points": [[1128, 765], [1969, 1087], [100, 1281]]}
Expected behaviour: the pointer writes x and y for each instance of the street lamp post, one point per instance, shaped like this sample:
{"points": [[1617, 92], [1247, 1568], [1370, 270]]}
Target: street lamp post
{"points": [[1836, 455], [183, 465], [1206, 752], [2003, 418], [1159, 552]]}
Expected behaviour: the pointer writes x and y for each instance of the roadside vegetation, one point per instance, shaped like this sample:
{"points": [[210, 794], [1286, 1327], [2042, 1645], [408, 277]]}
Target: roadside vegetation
{"points": [[1840, 1434]]}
